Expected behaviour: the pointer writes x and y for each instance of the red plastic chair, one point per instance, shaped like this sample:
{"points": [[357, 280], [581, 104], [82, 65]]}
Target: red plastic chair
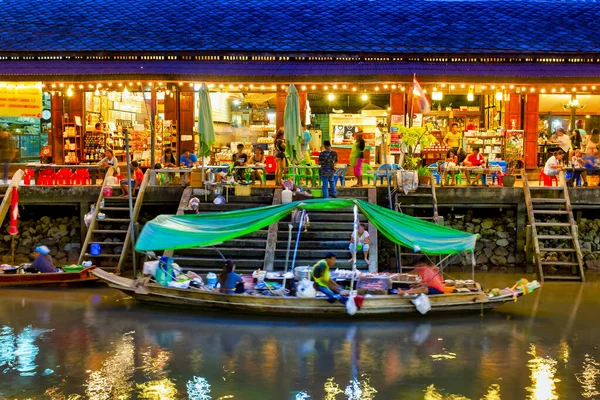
{"points": [[81, 177], [63, 177], [270, 165], [547, 179], [46, 177], [27, 176]]}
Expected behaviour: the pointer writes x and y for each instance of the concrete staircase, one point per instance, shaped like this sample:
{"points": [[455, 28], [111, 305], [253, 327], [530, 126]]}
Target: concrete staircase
{"points": [[328, 231], [248, 252]]}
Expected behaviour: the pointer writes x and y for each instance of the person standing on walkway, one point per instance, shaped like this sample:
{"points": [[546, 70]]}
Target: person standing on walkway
{"points": [[279, 156], [306, 138], [327, 160], [357, 158], [7, 152]]}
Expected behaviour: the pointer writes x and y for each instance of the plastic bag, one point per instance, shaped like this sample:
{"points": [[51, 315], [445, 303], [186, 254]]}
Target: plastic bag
{"points": [[305, 289], [150, 267], [422, 303], [351, 306], [408, 181]]}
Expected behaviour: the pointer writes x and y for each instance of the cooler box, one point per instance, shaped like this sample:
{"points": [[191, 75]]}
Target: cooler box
{"points": [[243, 190], [196, 178]]}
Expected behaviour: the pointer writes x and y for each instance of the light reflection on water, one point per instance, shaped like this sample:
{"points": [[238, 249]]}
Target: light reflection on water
{"points": [[102, 348]]}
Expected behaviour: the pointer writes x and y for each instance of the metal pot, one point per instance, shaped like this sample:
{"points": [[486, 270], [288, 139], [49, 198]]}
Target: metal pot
{"points": [[303, 272]]}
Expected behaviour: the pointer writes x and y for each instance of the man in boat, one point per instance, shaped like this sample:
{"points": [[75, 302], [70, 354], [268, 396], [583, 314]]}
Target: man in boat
{"points": [[431, 279], [322, 278], [42, 262], [362, 244]]}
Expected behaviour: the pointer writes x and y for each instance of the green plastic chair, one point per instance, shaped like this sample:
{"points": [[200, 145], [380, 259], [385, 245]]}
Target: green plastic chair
{"points": [[369, 173], [263, 177], [458, 177]]}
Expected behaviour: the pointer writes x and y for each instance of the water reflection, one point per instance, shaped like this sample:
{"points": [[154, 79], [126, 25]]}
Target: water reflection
{"points": [[19, 352], [543, 381], [431, 393], [360, 390], [332, 389], [198, 389], [114, 379], [587, 378]]}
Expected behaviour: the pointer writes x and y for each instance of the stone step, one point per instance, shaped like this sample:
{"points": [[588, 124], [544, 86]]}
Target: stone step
{"points": [[554, 237], [228, 252], [317, 235], [562, 277], [322, 226], [552, 224], [545, 200], [557, 250], [551, 212], [210, 207], [331, 245], [314, 253], [560, 263], [124, 220], [216, 264]]}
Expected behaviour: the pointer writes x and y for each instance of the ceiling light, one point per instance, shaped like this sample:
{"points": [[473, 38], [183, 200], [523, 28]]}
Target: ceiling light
{"points": [[331, 97], [364, 97]]}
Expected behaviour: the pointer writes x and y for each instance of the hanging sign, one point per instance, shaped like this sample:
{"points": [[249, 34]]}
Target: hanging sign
{"points": [[21, 99], [396, 122]]}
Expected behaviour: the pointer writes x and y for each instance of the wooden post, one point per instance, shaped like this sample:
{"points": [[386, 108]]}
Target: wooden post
{"points": [[521, 236], [373, 254], [272, 237]]}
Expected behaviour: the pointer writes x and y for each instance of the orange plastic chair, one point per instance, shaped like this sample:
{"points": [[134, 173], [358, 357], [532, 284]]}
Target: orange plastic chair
{"points": [[81, 177], [547, 179], [46, 177], [63, 177]]}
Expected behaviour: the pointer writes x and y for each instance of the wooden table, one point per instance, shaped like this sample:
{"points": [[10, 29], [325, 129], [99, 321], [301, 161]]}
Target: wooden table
{"points": [[37, 167]]}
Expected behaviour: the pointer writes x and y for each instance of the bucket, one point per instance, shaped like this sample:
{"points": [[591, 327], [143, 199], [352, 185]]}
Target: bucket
{"points": [[95, 249], [286, 196], [107, 191], [303, 272], [211, 279]]}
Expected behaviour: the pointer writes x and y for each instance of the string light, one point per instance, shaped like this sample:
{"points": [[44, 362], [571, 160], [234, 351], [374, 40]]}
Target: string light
{"points": [[120, 84], [483, 87], [562, 89], [330, 97], [403, 88], [53, 85], [69, 92], [344, 87], [251, 86], [180, 83], [325, 87], [394, 87], [452, 87], [274, 87], [543, 90], [443, 85], [584, 88], [493, 87], [593, 87], [282, 87], [303, 87], [61, 84], [385, 86], [523, 88], [159, 83], [262, 87], [510, 87], [462, 85], [364, 97], [574, 90], [109, 83], [150, 84], [80, 86], [130, 83], [532, 89], [377, 89], [354, 88], [335, 86]]}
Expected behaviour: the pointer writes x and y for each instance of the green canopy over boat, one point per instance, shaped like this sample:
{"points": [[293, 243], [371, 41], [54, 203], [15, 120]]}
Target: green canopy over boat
{"points": [[169, 232]]}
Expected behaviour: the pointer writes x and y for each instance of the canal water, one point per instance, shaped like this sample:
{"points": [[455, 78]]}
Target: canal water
{"points": [[96, 344]]}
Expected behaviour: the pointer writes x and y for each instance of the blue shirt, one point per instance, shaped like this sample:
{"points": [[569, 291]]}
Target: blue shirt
{"points": [[43, 264], [189, 162], [230, 282], [306, 138]]}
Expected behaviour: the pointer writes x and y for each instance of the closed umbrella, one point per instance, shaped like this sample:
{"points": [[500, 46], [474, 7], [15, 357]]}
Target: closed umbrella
{"points": [[206, 129], [292, 123]]}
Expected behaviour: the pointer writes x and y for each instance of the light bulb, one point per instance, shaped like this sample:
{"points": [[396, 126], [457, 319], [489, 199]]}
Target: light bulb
{"points": [[364, 97], [331, 97]]}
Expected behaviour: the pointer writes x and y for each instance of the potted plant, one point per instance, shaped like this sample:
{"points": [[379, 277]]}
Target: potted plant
{"points": [[424, 175], [412, 139], [512, 156]]}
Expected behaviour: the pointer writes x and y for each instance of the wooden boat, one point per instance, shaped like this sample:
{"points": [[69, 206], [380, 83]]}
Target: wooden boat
{"points": [[82, 277], [375, 306]]}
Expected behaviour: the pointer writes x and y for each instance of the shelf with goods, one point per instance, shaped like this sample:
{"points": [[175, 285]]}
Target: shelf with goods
{"points": [[72, 143], [490, 143], [94, 146], [169, 137]]}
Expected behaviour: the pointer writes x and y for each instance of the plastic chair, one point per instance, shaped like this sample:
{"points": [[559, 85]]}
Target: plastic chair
{"points": [[46, 177], [27, 176], [547, 179], [382, 173], [369, 173], [81, 177], [496, 175], [340, 174], [433, 168], [64, 176], [575, 176]]}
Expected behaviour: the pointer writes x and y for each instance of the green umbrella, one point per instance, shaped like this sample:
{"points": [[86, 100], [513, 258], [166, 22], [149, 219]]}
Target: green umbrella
{"points": [[206, 129], [292, 123]]}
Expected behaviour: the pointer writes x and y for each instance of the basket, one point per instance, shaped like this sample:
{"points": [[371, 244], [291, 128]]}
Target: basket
{"points": [[243, 190], [72, 268]]}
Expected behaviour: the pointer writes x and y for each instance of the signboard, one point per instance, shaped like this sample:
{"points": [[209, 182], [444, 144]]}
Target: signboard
{"points": [[21, 99], [395, 123]]}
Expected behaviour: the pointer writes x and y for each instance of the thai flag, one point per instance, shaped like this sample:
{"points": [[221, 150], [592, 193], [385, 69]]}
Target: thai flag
{"points": [[420, 97], [14, 212]]}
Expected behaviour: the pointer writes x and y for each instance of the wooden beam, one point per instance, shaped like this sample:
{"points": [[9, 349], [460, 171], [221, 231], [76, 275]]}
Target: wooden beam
{"points": [[373, 254], [272, 236]]}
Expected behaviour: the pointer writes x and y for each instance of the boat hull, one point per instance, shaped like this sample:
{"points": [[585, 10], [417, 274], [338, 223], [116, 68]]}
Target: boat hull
{"points": [[83, 277], [375, 306]]}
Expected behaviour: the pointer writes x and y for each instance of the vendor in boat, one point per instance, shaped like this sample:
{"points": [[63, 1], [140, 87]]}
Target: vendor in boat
{"points": [[230, 281], [322, 277], [431, 279], [42, 261], [364, 240]]}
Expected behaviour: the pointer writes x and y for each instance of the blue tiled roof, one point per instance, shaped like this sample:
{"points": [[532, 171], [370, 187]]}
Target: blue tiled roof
{"points": [[336, 26]]}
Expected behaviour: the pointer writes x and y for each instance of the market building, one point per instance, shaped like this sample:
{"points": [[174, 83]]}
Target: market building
{"points": [[482, 65]]}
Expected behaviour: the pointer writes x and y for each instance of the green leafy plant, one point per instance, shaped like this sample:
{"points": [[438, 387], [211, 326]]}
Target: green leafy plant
{"points": [[423, 171], [512, 156], [411, 138]]}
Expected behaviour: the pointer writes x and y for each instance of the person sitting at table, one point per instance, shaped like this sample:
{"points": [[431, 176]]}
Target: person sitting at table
{"points": [[110, 161], [362, 244], [475, 159], [578, 162], [449, 165], [230, 282], [431, 279], [257, 159], [562, 140], [553, 165], [240, 159], [168, 159], [136, 182], [187, 159], [42, 261]]}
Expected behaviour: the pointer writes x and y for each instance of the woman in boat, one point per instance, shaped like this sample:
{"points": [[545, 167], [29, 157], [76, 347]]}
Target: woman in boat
{"points": [[230, 281], [42, 262], [431, 279]]}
